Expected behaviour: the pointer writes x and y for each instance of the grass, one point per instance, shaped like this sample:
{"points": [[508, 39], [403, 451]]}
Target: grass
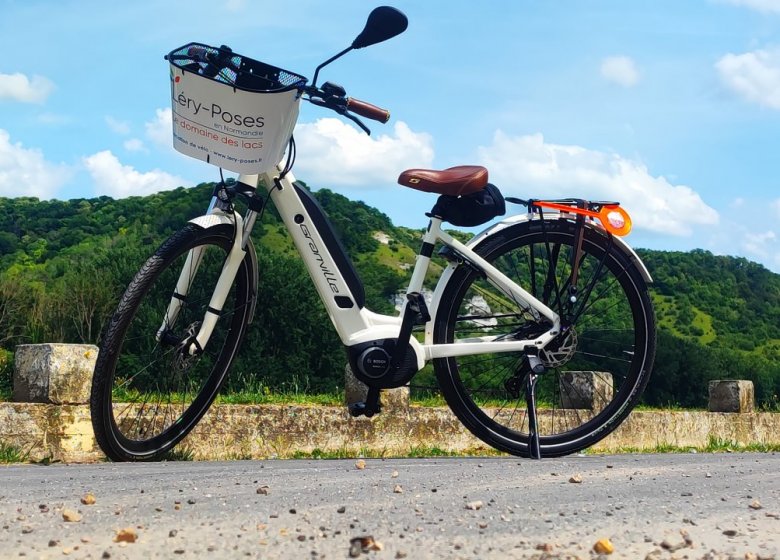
{"points": [[6, 370], [671, 407], [237, 397], [717, 445], [393, 259], [253, 397], [11, 454], [667, 311], [428, 400], [179, 454], [714, 445], [265, 396], [415, 452]]}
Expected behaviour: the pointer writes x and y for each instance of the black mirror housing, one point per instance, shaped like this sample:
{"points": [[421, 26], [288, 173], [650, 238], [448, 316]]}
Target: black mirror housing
{"points": [[383, 23]]}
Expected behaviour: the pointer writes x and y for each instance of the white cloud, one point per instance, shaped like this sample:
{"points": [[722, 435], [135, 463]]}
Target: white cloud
{"points": [[160, 130], [119, 127], [134, 145], [333, 153], [760, 5], [754, 75], [527, 166], [762, 245], [25, 172], [119, 181], [18, 87], [750, 233], [620, 70]]}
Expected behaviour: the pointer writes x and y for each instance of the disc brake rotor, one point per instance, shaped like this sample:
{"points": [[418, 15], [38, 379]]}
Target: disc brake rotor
{"points": [[183, 360], [559, 352]]}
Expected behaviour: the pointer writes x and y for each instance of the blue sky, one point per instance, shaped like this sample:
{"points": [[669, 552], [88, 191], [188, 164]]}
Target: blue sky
{"points": [[671, 107]]}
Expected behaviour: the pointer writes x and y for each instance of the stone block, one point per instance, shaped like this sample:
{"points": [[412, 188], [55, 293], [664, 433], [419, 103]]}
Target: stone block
{"points": [[588, 390], [53, 373], [732, 395], [393, 400]]}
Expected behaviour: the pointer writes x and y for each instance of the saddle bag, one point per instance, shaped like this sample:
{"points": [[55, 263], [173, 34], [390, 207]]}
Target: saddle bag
{"points": [[472, 209]]}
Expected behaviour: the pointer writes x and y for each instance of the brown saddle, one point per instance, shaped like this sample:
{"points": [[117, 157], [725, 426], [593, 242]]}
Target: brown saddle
{"points": [[455, 181]]}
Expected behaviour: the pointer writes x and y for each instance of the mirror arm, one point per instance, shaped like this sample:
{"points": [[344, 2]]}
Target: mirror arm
{"points": [[331, 59]]}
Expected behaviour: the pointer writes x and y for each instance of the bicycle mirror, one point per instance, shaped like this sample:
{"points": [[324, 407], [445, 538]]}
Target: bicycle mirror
{"points": [[383, 23]]}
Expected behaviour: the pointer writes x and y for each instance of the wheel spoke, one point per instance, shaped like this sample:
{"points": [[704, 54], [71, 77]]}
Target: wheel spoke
{"points": [[157, 391], [592, 366]]}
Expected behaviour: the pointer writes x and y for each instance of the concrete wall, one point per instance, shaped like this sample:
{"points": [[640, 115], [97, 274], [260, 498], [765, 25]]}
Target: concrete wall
{"points": [[64, 432], [50, 380]]}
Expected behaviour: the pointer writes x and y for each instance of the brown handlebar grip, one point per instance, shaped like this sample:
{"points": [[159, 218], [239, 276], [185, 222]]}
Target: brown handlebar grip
{"points": [[367, 110]]}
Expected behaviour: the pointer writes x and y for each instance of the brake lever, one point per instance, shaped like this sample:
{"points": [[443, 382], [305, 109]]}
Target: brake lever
{"points": [[341, 109], [357, 121]]}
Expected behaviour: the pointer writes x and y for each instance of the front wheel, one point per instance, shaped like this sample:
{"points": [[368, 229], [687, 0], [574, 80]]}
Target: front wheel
{"points": [[595, 371], [148, 392]]}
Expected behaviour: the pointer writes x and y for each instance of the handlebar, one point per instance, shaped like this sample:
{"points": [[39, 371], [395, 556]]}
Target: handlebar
{"points": [[334, 97], [329, 95], [367, 110]]}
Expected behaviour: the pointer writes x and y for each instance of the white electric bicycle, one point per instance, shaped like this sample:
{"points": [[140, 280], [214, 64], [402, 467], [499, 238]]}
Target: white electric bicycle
{"points": [[540, 329]]}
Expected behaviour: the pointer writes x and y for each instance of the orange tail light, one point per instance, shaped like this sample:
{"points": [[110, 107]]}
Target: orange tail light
{"points": [[614, 218]]}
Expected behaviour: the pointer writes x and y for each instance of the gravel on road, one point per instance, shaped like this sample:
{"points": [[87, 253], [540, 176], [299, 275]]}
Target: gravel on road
{"points": [[675, 506]]}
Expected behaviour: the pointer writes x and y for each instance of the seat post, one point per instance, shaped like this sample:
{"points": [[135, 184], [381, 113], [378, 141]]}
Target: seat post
{"points": [[423, 259]]}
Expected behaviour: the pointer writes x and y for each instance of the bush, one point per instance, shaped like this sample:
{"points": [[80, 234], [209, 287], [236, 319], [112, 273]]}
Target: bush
{"points": [[6, 374]]}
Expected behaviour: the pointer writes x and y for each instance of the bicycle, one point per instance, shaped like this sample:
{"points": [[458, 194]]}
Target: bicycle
{"points": [[535, 315]]}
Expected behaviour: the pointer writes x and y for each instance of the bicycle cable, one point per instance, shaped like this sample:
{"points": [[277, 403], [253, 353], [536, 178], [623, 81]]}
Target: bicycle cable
{"points": [[291, 153]]}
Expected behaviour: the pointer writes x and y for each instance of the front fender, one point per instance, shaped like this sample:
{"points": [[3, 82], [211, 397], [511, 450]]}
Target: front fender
{"points": [[213, 219]]}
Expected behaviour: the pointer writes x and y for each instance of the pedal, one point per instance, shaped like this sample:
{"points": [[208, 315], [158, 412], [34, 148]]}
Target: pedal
{"points": [[418, 306], [366, 408]]}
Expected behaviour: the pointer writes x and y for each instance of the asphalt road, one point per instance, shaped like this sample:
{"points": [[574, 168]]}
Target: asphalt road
{"points": [[647, 506]]}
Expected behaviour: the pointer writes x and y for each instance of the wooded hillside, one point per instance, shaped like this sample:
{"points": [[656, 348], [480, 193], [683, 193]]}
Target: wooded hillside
{"points": [[64, 264]]}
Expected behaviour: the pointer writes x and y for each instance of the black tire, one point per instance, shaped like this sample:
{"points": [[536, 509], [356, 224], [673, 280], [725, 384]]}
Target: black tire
{"points": [[146, 395], [611, 330]]}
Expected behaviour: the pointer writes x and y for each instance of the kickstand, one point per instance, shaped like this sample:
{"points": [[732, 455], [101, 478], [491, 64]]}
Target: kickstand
{"points": [[534, 449]]}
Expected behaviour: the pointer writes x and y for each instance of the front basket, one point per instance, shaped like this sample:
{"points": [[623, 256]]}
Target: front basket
{"points": [[229, 110]]}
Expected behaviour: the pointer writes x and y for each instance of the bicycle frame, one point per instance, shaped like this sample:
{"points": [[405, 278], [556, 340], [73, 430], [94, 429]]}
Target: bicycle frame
{"points": [[336, 286]]}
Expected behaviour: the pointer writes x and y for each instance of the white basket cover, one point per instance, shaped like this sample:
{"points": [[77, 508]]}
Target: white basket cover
{"points": [[232, 120]]}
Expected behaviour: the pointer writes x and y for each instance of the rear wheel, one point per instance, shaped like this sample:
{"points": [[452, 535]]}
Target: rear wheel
{"points": [[595, 370], [147, 392]]}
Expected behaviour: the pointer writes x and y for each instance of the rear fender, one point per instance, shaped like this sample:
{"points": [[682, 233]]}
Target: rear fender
{"points": [[520, 218], [485, 234]]}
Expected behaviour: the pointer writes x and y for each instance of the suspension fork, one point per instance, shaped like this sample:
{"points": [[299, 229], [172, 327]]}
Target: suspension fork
{"points": [[197, 342]]}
